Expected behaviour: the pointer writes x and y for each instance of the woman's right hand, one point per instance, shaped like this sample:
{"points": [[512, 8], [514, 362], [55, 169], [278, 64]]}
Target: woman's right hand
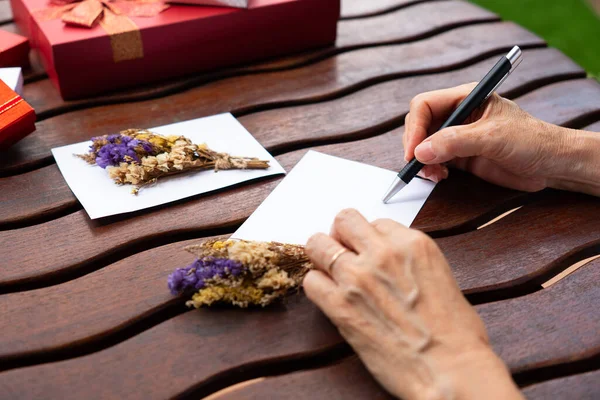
{"points": [[500, 143]]}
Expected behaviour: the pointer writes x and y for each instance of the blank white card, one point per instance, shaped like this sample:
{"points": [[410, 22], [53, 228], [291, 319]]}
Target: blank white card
{"points": [[318, 188]]}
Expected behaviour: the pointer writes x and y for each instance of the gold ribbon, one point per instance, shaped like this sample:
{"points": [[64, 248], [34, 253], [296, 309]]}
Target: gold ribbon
{"points": [[112, 16]]}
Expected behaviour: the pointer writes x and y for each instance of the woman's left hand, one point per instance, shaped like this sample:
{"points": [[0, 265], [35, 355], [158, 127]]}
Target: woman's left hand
{"points": [[391, 293]]}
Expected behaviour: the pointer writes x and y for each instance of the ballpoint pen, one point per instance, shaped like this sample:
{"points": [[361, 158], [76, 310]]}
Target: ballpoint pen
{"points": [[475, 99]]}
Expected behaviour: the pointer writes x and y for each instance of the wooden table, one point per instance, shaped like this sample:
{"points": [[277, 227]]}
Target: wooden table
{"points": [[84, 308]]}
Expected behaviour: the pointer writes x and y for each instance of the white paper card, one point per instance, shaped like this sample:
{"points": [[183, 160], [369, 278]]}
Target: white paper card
{"points": [[101, 197], [318, 188], [13, 79]]}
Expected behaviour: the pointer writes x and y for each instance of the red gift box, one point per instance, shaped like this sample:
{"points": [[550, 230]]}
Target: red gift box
{"points": [[17, 118], [14, 50], [181, 40]]}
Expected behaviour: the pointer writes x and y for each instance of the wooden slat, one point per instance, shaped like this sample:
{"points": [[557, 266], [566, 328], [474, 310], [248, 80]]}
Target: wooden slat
{"points": [[553, 326], [329, 78], [35, 196], [546, 328], [5, 14], [35, 71], [179, 353], [98, 240], [385, 104], [409, 24], [421, 21], [529, 246], [350, 379], [361, 8], [70, 314], [11, 27], [582, 387], [346, 380], [595, 127]]}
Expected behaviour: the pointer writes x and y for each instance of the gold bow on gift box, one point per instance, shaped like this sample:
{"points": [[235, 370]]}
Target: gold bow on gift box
{"points": [[113, 17]]}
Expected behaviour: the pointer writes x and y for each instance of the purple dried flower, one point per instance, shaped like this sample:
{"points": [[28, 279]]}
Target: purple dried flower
{"points": [[194, 276], [182, 280], [119, 147]]}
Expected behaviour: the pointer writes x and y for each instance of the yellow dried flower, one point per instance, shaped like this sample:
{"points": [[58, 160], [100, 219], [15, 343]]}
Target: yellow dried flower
{"points": [[241, 296], [219, 244]]}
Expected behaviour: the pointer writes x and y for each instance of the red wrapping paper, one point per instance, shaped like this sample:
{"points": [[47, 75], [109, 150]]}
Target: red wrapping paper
{"points": [[182, 40], [17, 118], [14, 50]]}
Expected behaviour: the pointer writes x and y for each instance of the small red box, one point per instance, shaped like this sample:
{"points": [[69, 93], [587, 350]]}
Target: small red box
{"points": [[17, 118], [182, 40], [14, 50]]}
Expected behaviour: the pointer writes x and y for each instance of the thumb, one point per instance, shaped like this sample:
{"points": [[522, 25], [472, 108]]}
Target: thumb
{"points": [[457, 141]]}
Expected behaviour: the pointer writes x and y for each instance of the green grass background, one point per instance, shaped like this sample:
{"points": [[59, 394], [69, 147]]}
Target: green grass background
{"points": [[569, 25]]}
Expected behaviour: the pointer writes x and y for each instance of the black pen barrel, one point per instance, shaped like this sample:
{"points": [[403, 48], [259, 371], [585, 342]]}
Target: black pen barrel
{"points": [[478, 95]]}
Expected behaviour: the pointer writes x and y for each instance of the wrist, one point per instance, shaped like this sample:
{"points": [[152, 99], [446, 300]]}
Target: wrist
{"points": [[578, 162], [478, 373]]}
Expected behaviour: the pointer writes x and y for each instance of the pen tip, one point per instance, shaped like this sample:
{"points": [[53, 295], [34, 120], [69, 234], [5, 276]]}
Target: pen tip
{"points": [[395, 187]]}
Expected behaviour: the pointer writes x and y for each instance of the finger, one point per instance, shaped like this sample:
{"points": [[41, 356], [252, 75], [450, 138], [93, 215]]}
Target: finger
{"points": [[458, 142], [427, 171], [434, 173], [321, 290], [388, 226], [322, 249], [353, 231], [427, 110]]}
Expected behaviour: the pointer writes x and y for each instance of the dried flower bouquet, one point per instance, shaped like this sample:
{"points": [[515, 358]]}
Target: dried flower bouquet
{"points": [[139, 157], [240, 273]]}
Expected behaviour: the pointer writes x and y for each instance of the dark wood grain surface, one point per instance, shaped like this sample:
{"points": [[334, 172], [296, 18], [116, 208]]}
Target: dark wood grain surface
{"points": [[5, 13], [98, 240], [84, 304], [582, 386], [188, 350], [356, 9], [364, 113]]}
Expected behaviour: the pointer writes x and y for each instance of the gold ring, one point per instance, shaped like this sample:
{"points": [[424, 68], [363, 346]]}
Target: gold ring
{"points": [[334, 258]]}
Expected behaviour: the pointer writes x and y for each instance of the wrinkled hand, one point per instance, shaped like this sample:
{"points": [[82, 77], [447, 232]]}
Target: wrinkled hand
{"points": [[394, 299], [500, 142]]}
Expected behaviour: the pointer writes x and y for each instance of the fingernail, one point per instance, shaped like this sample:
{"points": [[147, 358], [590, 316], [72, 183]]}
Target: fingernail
{"points": [[424, 152]]}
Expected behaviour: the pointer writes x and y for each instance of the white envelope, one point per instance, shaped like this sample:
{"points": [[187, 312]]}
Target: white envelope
{"points": [[101, 197], [13, 79]]}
